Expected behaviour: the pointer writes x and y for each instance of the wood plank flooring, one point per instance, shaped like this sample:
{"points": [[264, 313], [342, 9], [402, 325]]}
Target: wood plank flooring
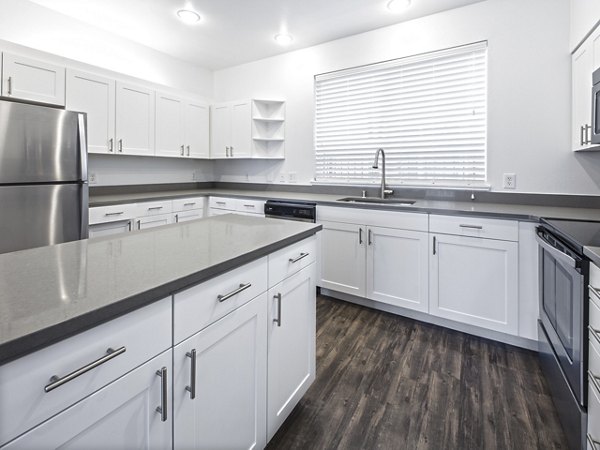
{"points": [[387, 382]]}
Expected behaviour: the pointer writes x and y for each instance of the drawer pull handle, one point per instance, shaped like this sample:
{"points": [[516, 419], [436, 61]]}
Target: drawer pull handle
{"points": [[593, 442], [114, 214], [220, 203], [192, 387], [250, 206], [56, 382], [164, 385], [278, 319], [242, 287], [189, 204], [298, 258], [472, 227], [595, 380], [595, 333], [155, 208]]}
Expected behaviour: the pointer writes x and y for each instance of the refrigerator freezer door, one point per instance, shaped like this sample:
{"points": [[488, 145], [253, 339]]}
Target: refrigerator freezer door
{"points": [[41, 145], [39, 215]]}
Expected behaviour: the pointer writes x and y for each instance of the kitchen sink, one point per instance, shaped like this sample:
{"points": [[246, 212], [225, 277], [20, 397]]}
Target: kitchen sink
{"points": [[379, 201]]}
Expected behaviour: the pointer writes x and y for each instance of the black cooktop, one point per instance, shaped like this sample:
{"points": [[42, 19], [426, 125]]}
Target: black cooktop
{"points": [[577, 233]]}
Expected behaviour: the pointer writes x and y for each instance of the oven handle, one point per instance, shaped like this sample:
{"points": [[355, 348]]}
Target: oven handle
{"points": [[560, 256]]}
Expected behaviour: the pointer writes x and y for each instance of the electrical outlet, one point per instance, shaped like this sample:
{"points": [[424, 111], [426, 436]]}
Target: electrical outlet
{"points": [[93, 178], [509, 181], [282, 177], [293, 177]]}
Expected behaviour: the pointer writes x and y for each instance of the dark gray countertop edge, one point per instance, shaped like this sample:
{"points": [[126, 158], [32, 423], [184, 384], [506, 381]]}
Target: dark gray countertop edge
{"points": [[30, 343], [593, 254]]}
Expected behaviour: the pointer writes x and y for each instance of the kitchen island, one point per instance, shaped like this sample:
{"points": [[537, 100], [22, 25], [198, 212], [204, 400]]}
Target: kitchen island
{"points": [[164, 334]]}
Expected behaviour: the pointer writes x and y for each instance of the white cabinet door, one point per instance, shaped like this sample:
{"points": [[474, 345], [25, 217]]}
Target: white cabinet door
{"points": [[585, 14], [169, 126], [221, 401], [95, 96], [29, 79], [143, 223], [110, 228], [343, 258], [475, 281], [241, 130], [581, 85], [197, 130], [398, 267], [135, 120], [291, 354], [120, 415], [220, 131]]}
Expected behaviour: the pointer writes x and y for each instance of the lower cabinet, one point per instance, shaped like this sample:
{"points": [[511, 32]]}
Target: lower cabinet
{"points": [[131, 412], [291, 344], [143, 223], [220, 382], [110, 228], [475, 281], [185, 216]]}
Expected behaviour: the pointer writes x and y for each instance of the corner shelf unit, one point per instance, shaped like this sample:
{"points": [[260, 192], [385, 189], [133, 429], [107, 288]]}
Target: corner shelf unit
{"points": [[268, 129]]}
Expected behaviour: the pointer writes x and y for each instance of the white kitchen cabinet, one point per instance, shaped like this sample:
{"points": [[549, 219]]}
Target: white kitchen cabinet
{"points": [[135, 119], [583, 63], [220, 382], [398, 267], [186, 216], [585, 15], [110, 228], [29, 79], [95, 96], [121, 415], [143, 223], [475, 281], [343, 258], [112, 219], [291, 344], [230, 130], [181, 127]]}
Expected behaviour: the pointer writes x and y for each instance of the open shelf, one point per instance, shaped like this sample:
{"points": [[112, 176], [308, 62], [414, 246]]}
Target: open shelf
{"points": [[268, 129]]}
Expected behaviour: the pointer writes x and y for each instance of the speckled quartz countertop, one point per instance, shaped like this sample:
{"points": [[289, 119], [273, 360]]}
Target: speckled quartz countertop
{"points": [[50, 293], [498, 210]]}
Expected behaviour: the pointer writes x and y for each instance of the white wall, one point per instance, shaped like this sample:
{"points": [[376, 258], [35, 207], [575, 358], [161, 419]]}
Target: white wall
{"points": [[529, 91]]}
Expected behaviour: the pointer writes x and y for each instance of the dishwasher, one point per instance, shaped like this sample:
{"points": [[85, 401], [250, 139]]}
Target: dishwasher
{"points": [[300, 211]]}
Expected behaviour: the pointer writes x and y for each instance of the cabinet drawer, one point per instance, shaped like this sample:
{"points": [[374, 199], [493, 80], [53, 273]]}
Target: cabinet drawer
{"points": [[199, 306], [595, 277], [594, 315], [142, 334], [250, 206], [290, 260], [593, 412], [112, 213], [185, 204], [154, 208], [222, 203], [374, 217], [506, 230], [185, 216]]}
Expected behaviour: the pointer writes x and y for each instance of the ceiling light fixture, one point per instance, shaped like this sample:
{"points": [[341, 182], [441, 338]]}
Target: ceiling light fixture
{"points": [[397, 6], [188, 16], [283, 39]]}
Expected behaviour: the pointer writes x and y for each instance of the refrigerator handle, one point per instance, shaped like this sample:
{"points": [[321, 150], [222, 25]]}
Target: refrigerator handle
{"points": [[82, 122]]}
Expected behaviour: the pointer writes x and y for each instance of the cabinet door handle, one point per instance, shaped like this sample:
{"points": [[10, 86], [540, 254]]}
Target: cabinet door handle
{"points": [[593, 442], [9, 85], [130, 225], [110, 145], [231, 151], [242, 287], [277, 320], [182, 151], [471, 227], [369, 238], [192, 387], [120, 145], [188, 150], [581, 132], [434, 243], [298, 258], [360, 241], [176, 218], [164, 385], [56, 382], [588, 136], [227, 151]]}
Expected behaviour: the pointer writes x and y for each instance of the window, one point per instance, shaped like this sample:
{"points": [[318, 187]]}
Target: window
{"points": [[428, 112]]}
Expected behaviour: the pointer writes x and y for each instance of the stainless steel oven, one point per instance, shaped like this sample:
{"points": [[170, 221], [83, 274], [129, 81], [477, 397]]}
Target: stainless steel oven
{"points": [[564, 277], [596, 107]]}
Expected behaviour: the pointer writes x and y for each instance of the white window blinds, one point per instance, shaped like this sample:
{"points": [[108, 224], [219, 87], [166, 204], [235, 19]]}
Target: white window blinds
{"points": [[428, 112]]}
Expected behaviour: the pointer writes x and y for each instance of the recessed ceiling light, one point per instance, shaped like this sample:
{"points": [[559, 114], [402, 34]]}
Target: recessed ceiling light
{"points": [[188, 16], [398, 5], [283, 38]]}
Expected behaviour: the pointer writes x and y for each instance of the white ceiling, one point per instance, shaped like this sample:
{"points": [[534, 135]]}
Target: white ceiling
{"points": [[237, 31]]}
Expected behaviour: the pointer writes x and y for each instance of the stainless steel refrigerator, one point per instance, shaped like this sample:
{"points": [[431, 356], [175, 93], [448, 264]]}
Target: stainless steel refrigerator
{"points": [[43, 176]]}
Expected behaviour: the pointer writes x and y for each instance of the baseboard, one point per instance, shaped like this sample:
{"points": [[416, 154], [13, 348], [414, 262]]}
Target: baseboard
{"points": [[517, 341]]}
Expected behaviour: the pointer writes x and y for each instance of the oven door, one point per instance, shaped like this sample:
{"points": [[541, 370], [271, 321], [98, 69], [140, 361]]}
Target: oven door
{"points": [[562, 292]]}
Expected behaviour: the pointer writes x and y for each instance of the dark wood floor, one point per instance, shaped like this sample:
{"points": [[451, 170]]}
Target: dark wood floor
{"points": [[387, 382]]}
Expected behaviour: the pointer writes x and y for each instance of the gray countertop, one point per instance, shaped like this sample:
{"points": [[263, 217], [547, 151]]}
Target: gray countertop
{"points": [[50, 293], [593, 253], [499, 210]]}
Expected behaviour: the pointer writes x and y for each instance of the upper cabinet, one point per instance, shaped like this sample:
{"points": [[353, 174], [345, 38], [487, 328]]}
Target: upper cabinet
{"points": [[583, 63], [134, 120], [33, 80], [182, 127], [94, 95], [248, 129], [585, 15]]}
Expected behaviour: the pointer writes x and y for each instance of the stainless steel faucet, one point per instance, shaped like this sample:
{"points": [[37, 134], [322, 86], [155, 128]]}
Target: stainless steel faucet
{"points": [[384, 191]]}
